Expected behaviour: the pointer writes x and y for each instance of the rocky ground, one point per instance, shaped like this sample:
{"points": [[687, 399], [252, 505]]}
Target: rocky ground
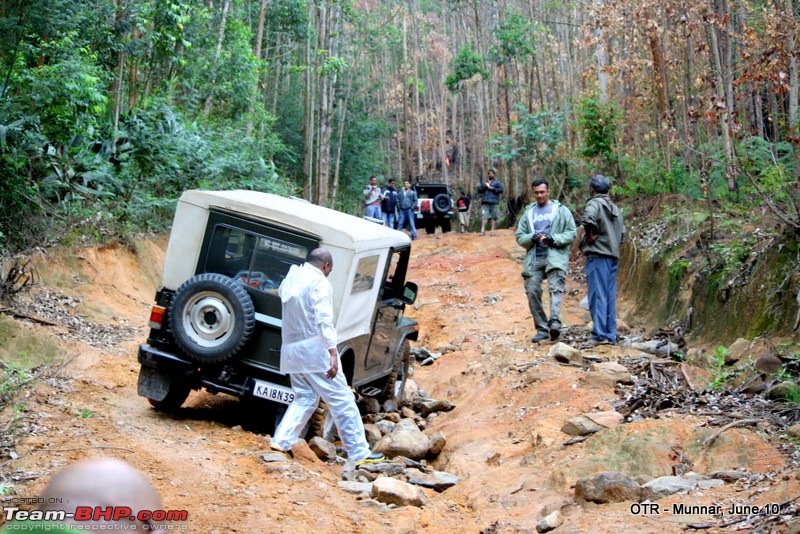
{"points": [[532, 426]]}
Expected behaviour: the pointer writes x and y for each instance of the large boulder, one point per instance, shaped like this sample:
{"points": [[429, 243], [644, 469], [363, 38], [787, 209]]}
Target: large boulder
{"points": [[406, 439]]}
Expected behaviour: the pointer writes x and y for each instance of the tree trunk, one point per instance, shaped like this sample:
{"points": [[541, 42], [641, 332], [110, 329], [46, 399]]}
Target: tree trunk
{"points": [[407, 168], [308, 104], [327, 82], [601, 58], [217, 54], [257, 53], [722, 107]]}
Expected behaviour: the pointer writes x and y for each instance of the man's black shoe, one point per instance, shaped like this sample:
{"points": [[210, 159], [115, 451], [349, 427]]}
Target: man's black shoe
{"points": [[554, 333], [541, 336]]}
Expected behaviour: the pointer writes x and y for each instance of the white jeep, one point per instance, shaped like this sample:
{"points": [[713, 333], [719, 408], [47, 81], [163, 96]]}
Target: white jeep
{"points": [[217, 318]]}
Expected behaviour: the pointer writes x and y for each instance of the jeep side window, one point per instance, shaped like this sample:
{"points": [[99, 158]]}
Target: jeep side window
{"points": [[395, 274], [366, 273], [256, 261]]}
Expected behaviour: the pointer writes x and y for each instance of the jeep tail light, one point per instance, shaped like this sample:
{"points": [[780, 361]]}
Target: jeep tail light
{"points": [[157, 314]]}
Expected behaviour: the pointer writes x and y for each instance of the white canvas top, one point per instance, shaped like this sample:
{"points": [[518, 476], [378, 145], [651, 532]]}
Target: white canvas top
{"points": [[334, 228], [350, 240]]}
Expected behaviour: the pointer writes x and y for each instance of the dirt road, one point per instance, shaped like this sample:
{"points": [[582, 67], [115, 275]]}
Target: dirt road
{"points": [[504, 437]]}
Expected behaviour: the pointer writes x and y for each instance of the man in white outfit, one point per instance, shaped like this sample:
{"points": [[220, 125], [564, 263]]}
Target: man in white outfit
{"points": [[310, 356]]}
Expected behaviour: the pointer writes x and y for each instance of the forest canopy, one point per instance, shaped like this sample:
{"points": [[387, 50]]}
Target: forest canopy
{"points": [[109, 109]]}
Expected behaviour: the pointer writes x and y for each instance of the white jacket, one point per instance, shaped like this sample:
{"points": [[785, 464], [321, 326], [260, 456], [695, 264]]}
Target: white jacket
{"points": [[307, 331]]}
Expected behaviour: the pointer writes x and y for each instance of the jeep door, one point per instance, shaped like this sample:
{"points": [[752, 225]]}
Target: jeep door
{"points": [[386, 335]]}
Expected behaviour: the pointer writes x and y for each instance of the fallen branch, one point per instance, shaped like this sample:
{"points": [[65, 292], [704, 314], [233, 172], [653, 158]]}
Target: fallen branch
{"points": [[719, 432], [19, 315], [686, 377]]}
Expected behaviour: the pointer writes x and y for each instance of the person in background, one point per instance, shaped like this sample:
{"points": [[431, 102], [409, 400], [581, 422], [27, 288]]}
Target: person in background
{"points": [[310, 356], [372, 199], [463, 203], [604, 232], [406, 200], [546, 230], [389, 204], [490, 191]]}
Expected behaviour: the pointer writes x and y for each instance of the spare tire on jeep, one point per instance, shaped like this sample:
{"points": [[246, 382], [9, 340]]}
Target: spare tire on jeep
{"points": [[442, 203], [212, 317]]}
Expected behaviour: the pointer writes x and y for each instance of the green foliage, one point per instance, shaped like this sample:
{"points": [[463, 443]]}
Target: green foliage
{"points": [[66, 95], [516, 37], [792, 394], [770, 170], [645, 177], [332, 65], [84, 413], [598, 122], [761, 158], [12, 379], [536, 141], [466, 64], [718, 368]]}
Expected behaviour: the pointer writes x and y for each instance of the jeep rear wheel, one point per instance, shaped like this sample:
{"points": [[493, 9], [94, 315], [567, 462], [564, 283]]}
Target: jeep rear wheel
{"points": [[321, 424], [212, 317], [170, 391]]}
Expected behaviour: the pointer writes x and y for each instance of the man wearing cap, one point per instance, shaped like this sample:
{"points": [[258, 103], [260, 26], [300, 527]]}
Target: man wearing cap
{"points": [[604, 232]]}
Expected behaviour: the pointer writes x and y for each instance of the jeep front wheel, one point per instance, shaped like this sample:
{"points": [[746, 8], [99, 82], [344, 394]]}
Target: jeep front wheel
{"points": [[396, 383], [212, 317]]}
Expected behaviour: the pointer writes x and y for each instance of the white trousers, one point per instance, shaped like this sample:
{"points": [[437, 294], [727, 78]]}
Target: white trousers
{"points": [[308, 388]]}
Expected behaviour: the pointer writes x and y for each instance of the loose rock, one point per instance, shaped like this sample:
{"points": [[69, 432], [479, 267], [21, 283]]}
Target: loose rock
{"points": [[551, 522], [324, 449], [563, 353], [608, 487], [436, 480], [392, 491], [438, 441], [430, 406], [664, 486]]}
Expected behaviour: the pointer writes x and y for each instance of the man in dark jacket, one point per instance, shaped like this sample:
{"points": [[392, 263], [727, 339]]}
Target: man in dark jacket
{"points": [[490, 191], [389, 204], [604, 231]]}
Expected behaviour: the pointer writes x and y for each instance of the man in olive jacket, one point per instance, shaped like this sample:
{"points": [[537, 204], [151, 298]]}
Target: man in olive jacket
{"points": [[604, 231], [546, 230]]}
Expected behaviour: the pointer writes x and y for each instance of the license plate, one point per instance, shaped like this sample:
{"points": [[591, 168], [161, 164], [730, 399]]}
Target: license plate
{"points": [[273, 392]]}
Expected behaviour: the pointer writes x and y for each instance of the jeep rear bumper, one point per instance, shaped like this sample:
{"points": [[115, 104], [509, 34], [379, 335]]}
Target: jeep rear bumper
{"points": [[150, 357]]}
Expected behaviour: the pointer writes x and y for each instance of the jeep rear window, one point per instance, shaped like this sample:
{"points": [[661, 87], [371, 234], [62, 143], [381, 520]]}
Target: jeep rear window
{"points": [[257, 261]]}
